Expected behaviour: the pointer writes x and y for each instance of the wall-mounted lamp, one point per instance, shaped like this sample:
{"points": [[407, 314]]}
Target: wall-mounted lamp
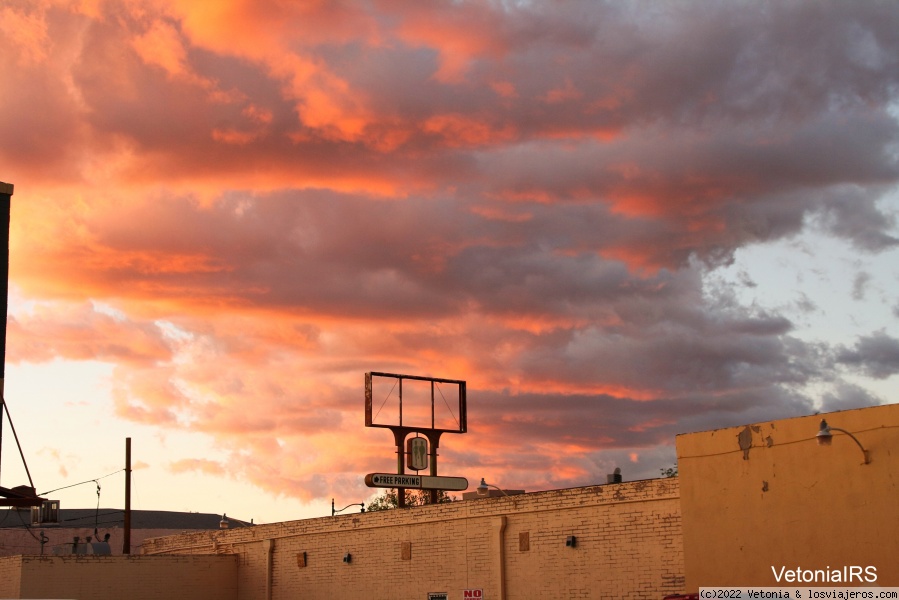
{"points": [[570, 541], [825, 437], [484, 488], [347, 558]]}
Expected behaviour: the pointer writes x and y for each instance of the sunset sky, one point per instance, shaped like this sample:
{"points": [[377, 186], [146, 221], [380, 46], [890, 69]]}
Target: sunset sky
{"points": [[617, 221]]}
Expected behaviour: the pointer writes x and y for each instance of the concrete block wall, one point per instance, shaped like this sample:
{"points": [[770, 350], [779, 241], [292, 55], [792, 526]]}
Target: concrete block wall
{"points": [[116, 577], [628, 544]]}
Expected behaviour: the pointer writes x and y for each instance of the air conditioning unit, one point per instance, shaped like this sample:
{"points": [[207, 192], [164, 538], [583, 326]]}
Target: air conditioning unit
{"points": [[45, 514]]}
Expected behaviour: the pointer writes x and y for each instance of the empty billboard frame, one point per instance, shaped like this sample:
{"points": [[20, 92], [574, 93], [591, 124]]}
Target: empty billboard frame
{"points": [[415, 403]]}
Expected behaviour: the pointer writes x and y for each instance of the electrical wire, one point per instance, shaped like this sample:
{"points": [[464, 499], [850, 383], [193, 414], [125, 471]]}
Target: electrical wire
{"points": [[27, 527], [774, 445], [95, 480]]}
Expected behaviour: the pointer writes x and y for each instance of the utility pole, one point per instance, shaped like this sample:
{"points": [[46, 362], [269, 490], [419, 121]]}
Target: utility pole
{"points": [[6, 190], [126, 546], [22, 495]]}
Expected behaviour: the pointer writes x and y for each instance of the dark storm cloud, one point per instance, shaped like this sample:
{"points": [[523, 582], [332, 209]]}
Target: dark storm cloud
{"points": [[850, 216]]}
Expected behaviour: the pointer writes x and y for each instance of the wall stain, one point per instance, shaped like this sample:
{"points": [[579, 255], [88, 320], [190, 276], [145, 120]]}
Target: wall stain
{"points": [[744, 438]]}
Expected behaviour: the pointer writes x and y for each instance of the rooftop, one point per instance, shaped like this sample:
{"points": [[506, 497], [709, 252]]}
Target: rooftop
{"points": [[115, 517]]}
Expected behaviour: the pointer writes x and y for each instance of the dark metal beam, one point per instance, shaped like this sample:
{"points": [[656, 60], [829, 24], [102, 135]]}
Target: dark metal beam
{"points": [[6, 190], [21, 496], [21, 502]]}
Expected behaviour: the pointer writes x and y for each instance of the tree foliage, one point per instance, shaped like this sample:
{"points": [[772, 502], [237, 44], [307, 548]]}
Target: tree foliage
{"points": [[669, 472], [388, 499]]}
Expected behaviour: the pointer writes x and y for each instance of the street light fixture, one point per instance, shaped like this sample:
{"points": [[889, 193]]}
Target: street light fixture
{"points": [[483, 488], [825, 437], [334, 512]]}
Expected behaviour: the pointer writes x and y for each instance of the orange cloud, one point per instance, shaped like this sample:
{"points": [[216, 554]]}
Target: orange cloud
{"points": [[566, 93], [206, 466], [244, 206], [26, 32], [460, 130], [162, 46], [460, 36], [81, 332]]}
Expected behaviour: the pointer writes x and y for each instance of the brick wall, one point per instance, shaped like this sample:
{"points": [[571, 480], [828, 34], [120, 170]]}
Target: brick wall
{"points": [[628, 544], [10, 576]]}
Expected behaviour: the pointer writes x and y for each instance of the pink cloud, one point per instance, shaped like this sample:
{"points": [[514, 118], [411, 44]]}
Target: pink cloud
{"points": [[245, 206]]}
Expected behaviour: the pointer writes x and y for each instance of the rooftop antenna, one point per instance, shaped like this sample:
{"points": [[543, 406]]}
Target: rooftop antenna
{"points": [[22, 495]]}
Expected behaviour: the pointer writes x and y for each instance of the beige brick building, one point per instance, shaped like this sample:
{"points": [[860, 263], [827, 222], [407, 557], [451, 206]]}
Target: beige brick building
{"points": [[747, 499], [627, 544]]}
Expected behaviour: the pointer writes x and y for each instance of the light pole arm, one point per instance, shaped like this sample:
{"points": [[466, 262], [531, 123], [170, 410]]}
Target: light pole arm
{"points": [[498, 488], [854, 439], [334, 512], [482, 488]]}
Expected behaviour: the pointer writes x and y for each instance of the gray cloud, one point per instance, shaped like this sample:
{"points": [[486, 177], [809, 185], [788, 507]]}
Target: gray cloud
{"points": [[876, 355], [860, 284], [847, 396]]}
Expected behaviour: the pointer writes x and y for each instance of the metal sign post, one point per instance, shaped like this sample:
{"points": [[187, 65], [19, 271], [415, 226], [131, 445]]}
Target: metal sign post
{"points": [[424, 410]]}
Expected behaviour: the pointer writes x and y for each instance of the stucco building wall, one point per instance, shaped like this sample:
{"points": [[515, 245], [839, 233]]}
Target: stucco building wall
{"points": [[627, 544], [767, 495]]}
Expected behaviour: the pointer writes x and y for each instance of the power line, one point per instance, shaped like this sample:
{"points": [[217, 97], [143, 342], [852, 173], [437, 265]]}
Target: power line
{"points": [[95, 480]]}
